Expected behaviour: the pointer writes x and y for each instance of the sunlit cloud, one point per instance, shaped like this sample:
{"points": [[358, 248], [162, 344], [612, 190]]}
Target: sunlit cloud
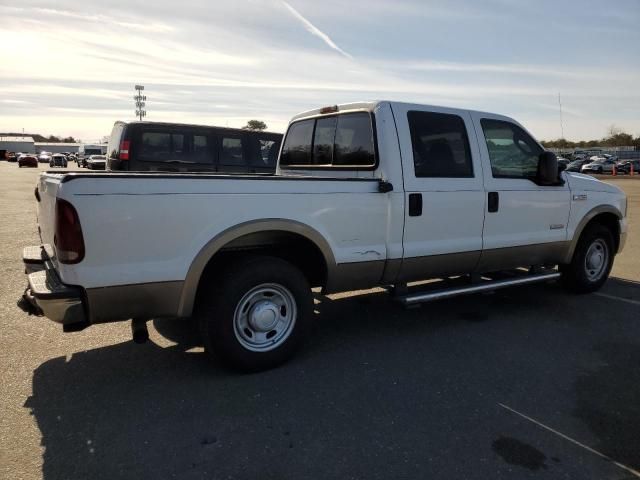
{"points": [[69, 66]]}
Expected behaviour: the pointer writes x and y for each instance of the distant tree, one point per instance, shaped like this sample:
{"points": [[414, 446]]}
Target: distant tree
{"points": [[614, 130], [257, 125]]}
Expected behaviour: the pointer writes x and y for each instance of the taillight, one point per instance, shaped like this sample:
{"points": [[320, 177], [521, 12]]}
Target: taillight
{"points": [[68, 234], [124, 150]]}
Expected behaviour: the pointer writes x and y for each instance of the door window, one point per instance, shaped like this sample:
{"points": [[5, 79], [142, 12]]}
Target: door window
{"points": [[512, 152], [440, 145]]}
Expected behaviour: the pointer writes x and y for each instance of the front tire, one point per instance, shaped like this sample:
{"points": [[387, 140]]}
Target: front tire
{"points": [[592, 260], [254, 315]]}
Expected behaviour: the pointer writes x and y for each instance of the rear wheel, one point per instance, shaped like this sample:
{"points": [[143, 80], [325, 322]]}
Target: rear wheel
{"points": [[592, 260], [254, 314]]}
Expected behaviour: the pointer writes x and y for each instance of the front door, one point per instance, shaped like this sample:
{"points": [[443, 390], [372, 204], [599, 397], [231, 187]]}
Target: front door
{"points": [[525, 223], [444, 195]]}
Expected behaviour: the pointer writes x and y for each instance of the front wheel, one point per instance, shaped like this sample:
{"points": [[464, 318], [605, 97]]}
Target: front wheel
{"points": [[254, 314], [591, 262]]}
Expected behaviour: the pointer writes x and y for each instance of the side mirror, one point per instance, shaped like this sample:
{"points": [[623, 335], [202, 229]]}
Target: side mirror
{"points": [[548, 168]]}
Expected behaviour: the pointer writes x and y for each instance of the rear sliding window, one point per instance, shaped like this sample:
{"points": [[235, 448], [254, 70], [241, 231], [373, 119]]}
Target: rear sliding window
{"points": [[328, 142]]}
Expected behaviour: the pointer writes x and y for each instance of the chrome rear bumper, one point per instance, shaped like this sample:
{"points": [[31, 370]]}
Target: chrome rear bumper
{"points": [[59, 302]]}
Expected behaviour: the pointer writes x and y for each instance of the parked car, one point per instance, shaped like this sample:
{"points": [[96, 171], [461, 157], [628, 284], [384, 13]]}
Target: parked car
{"points": [[58, 160], [173, 147], [576, 165], [28, 161], [85, 150], [601, 165], [11, 157], [96, 162], [44, 157], [563, 163], [585, 154], [624, 166], [365, 194]]}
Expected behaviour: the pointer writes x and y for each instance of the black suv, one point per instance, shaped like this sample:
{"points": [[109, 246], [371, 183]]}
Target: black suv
{"points": [[175, 147]]}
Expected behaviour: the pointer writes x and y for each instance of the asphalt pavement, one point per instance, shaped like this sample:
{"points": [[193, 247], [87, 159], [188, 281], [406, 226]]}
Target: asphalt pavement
{"points": [[530, 382]]}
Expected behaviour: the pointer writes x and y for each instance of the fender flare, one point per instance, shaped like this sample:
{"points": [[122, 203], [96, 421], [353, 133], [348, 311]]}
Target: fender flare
{"points": [[590, 215], [206, 253]]}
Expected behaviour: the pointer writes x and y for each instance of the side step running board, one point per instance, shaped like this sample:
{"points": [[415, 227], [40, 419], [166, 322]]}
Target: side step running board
{"points": [[421, 297]]}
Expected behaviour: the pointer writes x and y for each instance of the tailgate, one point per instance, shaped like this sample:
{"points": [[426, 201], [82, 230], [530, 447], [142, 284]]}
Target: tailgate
{"points": [[46, 193]]}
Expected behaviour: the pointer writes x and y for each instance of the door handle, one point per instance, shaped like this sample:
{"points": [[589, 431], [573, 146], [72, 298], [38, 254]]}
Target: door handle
{"points": [[415, 204], [494, 202]]}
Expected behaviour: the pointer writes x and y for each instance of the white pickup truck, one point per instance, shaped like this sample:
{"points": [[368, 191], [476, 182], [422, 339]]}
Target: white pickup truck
{"points": [[365, 194]]}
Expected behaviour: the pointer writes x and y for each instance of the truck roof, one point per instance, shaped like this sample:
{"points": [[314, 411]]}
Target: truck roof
{"points": [[145, 122], [371, 105]]}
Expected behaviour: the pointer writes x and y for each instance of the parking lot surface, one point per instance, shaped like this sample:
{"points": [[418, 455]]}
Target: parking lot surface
{"points": [[529, 382]]}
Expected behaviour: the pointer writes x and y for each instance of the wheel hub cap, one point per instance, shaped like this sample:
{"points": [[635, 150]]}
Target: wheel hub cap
{"points": [[264, 316], [596, 259]]}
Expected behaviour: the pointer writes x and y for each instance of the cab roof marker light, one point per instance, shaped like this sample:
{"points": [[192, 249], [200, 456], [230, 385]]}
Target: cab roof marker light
{"points": [[329, 109]]}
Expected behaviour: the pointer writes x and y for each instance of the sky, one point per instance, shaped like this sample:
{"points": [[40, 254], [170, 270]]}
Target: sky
{"points": [[68, 67]]}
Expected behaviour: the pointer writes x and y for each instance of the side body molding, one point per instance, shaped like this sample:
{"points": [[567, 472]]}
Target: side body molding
{"points": [[591, 214], [207, 252]]}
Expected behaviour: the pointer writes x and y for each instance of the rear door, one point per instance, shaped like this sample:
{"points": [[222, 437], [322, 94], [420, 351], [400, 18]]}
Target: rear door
{"points": [[525, 223], [444, 192]]}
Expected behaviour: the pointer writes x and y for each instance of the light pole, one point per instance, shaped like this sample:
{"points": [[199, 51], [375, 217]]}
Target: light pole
{"points": [[140, 102]]}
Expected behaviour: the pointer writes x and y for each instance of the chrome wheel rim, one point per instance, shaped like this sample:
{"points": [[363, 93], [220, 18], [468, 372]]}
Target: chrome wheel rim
{"points": [[596, 259], [264, 317]]}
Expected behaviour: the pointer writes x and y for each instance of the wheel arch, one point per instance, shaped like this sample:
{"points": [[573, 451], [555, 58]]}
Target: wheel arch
{"points": [[251, 236], [606, 215]]}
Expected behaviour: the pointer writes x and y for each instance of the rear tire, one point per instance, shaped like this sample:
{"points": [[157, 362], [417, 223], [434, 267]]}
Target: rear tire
{"points": [[592, 260], [254, 314]]}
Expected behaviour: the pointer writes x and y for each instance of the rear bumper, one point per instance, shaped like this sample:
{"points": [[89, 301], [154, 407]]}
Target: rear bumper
{"points": [[59, 302]]}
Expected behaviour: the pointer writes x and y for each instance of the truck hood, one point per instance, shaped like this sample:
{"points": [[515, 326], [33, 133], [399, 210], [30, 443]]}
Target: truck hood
{"points": [[578, 181]]}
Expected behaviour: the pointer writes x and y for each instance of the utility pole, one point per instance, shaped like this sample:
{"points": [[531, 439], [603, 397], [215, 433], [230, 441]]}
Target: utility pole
{"points": [[561, 126], [140, 102]]}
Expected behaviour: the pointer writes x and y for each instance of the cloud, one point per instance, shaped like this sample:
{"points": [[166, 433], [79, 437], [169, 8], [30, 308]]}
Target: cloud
{"points": [[72, 65], [311, 28]]}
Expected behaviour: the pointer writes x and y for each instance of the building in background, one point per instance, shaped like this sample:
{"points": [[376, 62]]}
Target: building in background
{"points": [[17, 144], [57, 147]]}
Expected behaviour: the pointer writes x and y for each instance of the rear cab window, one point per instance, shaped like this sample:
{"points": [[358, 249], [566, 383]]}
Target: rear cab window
{"points": [[342, 141]]}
